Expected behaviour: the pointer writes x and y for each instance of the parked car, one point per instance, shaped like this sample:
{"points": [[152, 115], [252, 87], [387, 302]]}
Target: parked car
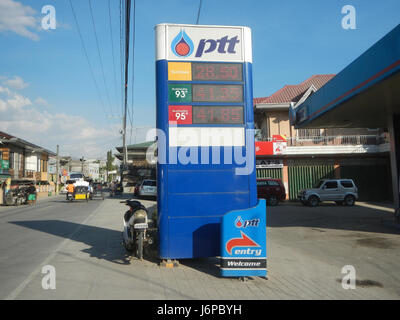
{"points": [[342, 191], [147, 188], [272, 190]]}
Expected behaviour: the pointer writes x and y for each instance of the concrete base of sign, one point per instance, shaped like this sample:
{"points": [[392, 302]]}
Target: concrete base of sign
{"points": [[169, 263]]}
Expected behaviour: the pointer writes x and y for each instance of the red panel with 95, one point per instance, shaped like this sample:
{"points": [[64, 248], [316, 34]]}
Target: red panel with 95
{"points": [[180, 115]]}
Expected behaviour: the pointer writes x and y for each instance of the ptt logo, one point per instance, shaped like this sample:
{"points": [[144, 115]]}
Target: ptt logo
{"points": [[240, 223], [182, 45]]}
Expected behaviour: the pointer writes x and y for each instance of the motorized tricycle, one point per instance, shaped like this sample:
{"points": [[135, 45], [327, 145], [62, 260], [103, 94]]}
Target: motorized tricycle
{"points": [[81, 193]]}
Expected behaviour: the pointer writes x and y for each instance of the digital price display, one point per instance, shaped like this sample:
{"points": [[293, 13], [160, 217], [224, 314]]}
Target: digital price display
{"points": [[217, 93], [217, 71], [217, 115]]}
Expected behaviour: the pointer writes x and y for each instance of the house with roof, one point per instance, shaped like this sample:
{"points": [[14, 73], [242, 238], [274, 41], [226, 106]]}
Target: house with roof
{"points": [[300, 157], [138, 167], [21, 160]]}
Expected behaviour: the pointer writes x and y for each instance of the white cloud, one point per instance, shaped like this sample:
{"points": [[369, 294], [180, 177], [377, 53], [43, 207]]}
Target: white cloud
{"points": [[18, 18], [16, 83], [76, 135], [18, 101], [41, 102], [5, 90]]}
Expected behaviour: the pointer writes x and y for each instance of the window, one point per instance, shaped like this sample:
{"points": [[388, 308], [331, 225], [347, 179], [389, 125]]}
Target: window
{"points": [[11, 158], [318, 184], [262, 183], [331, 185], [151, 183], [273, 183], [75, 176], [346, 184], [308, 133]]}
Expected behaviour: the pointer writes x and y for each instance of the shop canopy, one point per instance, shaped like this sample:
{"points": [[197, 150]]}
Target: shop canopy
{"points": [[363, 95]]}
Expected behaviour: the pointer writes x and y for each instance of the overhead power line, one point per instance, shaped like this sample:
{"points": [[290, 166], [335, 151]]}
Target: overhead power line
{"points": [[101, 60], [87, 58], [198, 12], [121, 48], [112, 51]]}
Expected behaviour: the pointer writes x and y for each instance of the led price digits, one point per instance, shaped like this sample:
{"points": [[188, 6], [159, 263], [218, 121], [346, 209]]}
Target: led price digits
{"points": [[217, 114], [217, 93], [217, 71]]}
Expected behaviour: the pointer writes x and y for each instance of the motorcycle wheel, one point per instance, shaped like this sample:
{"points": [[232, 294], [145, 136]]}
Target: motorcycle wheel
{"points": [[139, 245]]}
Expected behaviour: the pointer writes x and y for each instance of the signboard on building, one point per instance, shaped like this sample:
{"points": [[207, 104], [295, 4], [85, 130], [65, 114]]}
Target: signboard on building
{"points": [[4, 164], [279, 147], [52, 168]]}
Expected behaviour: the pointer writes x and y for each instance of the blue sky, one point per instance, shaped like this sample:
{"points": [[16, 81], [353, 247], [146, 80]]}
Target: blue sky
{"points": [[47, 93]]}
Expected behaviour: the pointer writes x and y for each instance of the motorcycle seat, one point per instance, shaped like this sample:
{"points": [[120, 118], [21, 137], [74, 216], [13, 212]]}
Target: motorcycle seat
{"points": [[133, 203]]}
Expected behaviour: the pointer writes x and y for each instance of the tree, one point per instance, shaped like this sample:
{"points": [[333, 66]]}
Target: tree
{"points": [[109, 164]]}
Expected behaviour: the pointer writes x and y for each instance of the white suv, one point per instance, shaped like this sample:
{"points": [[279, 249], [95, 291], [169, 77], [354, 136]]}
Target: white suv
{"points": [[342, 191]]}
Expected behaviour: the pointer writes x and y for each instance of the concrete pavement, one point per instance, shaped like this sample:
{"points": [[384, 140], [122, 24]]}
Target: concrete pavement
{"points": [[307, 249]]}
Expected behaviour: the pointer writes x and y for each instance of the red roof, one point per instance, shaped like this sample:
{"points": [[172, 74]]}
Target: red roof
{"points": [[293, 93]]}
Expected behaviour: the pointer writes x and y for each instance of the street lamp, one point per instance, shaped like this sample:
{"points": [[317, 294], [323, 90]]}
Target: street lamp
{"points": [[83, 161]]}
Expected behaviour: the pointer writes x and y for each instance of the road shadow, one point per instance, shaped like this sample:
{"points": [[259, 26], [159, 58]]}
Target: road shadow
{"points": [[331, 216], [123, 196], [103, 243], [208, 265]]}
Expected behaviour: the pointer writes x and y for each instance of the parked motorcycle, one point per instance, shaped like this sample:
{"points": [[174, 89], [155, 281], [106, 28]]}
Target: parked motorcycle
{"points": [[135, 228]]}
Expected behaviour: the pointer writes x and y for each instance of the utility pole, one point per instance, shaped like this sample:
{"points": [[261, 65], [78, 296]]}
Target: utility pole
{"points": [[127, 29], [58, 170]]}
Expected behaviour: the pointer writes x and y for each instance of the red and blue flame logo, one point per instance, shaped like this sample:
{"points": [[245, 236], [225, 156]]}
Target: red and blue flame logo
{"points": [[182, 45], [239, 223]]}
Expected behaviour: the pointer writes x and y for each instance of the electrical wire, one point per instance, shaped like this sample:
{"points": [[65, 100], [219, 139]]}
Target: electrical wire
{"points": [[198, 12], [87, 59], [112, 51], [101, 60], [121, 33]]}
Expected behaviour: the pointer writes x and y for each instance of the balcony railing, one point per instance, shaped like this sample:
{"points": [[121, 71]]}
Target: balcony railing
{"points": [[334, 140]]}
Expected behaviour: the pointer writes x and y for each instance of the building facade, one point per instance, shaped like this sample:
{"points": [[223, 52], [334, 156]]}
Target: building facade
{"points": [[301, 157], [23, 160]]}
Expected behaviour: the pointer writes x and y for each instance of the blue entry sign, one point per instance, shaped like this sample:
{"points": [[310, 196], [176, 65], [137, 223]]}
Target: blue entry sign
{"points": [[205, 132], [243, 242]]}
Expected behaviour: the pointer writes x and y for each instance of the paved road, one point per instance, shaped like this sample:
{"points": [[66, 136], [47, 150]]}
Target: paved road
{"points": [[30, 234], [307, 248]]}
